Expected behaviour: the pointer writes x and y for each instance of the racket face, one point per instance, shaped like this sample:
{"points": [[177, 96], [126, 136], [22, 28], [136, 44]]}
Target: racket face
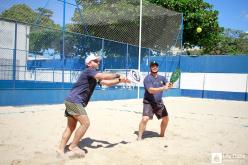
{"points": [[134, 76], [175, 75]]}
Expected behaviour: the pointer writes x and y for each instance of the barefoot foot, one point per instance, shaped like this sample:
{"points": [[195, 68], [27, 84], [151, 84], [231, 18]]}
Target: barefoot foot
{"points": [[60, 153], [76, 152]]}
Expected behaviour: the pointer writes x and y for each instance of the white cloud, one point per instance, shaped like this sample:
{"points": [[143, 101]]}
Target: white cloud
{"points": [[245, 14]]}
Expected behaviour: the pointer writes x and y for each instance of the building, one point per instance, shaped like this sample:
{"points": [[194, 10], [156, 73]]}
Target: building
{"points": [[14, 41]]}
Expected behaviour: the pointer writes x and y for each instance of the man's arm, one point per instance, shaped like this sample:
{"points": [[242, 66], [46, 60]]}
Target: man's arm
{"points": [[115, 81], [110, 82], [160, 89], [106, 76]]}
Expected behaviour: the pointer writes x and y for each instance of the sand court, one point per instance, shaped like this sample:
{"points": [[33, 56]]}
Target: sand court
{"points": [[200, 131]]}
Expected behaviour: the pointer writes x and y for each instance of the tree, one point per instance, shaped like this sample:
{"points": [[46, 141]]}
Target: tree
{"points": [[44, 18], [23, 13], [196, 13], [242, 43], [232, 42], [20, 13], [40, 38]]}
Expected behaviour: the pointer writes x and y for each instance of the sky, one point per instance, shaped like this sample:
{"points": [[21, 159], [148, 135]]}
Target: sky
{"points": [[54, 5], [232, 13]]}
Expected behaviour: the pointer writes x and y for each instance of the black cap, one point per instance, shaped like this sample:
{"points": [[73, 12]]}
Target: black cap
{"points": [[153, 63]]}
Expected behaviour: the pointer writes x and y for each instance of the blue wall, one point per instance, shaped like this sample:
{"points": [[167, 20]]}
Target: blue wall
{"points": [[67, 64], [214, 64], [239, 96], [14, 97], [33, 92], [207, 64], [200, 64]]}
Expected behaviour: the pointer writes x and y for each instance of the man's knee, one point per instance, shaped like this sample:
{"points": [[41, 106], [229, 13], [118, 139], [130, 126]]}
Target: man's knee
{"points": [[87, 123], [71, 124], [145, 119], [84, 121], [71, 127], [165, 119]]}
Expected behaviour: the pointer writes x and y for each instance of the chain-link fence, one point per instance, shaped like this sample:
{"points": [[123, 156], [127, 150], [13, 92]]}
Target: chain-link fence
{"points": [[119, 20], [47, 40]]}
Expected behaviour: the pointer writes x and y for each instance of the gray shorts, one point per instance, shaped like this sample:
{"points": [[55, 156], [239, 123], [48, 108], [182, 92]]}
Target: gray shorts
{"points": [[158, 109], [74, 109]]}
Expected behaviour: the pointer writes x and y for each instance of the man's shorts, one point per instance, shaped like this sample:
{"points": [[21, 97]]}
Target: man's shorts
{"points": [[74, 109], [158, 109]]}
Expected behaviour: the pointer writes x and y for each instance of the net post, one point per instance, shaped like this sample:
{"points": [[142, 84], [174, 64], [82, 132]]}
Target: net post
{"points": [[14, 57], [127, 53], [140, 34], [63, 44]]}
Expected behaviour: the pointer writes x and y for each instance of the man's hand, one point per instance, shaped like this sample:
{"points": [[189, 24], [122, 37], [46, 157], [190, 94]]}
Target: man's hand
{"points": [[168, 85], [124, 79]]}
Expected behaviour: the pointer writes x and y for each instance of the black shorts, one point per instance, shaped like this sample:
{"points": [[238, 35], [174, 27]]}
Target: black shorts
{"points": [[158, 109]]}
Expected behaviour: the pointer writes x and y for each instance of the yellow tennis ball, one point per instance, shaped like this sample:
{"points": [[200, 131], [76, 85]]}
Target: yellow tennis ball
{"points": [[199, 30]]}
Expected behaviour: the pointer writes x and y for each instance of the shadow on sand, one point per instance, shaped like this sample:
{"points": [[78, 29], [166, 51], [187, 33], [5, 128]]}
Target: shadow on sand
{"points": [[148, 134], [89, 142]]}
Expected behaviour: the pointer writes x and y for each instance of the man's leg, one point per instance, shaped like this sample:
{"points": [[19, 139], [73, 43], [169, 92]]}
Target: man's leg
{"points": [[85, 123], [71, 125], [142, 126], [163, 125]]}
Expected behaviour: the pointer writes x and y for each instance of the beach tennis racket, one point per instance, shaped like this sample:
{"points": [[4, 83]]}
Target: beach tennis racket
{"points": [[134, 76], [175, 76]]}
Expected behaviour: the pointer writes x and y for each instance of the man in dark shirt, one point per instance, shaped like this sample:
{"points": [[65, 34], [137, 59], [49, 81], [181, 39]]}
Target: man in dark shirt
{"points": [[78, 99], [154, 85]]}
